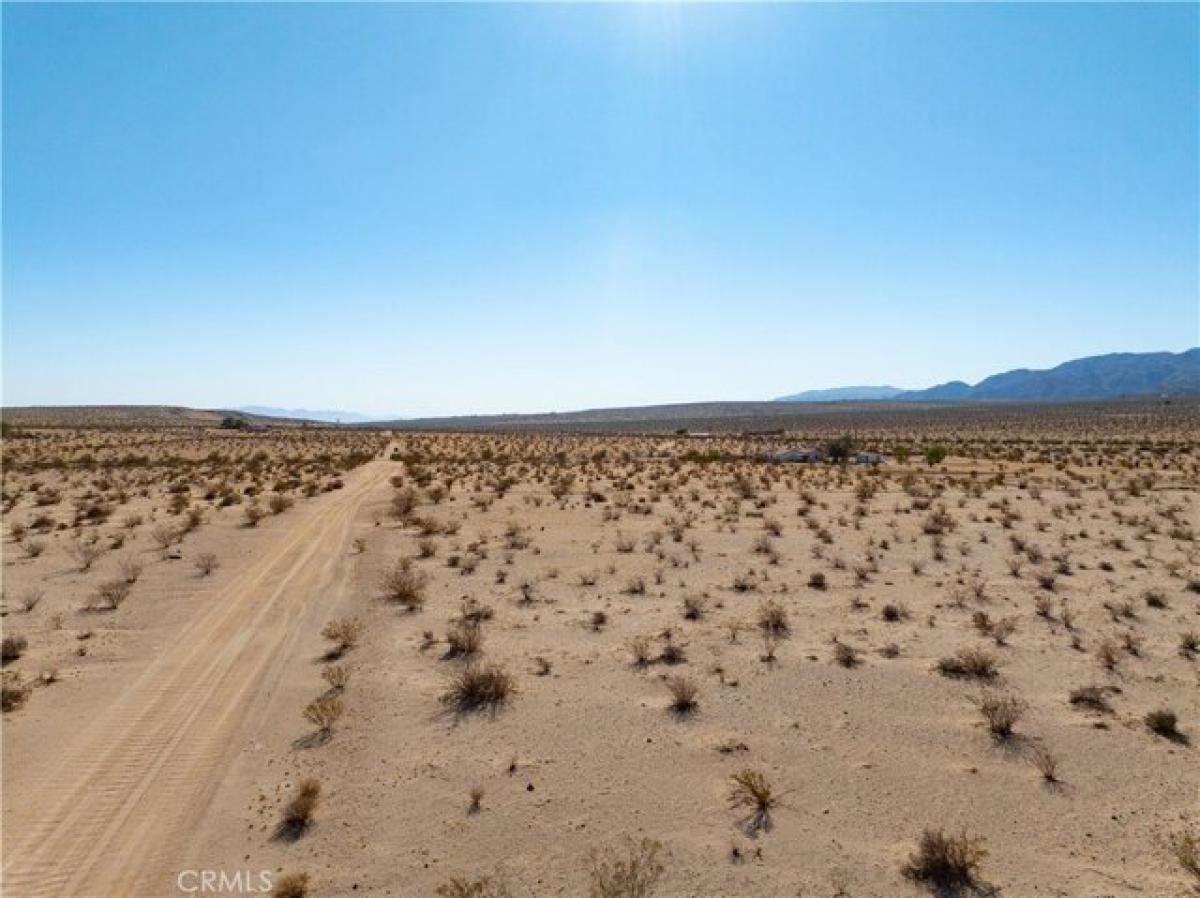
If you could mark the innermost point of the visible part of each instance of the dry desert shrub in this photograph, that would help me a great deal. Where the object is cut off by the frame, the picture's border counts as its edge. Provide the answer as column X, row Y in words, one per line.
column 206, row 563
column 969, row 663
column 773, row 618
column 29, row 600
column 1045, row 761
column 946, row 861
column 278, row 503
column 1000, row 712
column 1186, row 848
column 13, row 691
column 1164, row 722
column 694, row 607
column 752, row 790
column 164, row 536
column 485, row 887
column 640, row 648
column 344, row 633
column 130, row 569
column 630, row 870
column 683, row 695
column 479, row 687
column 337, row 676
column 404, row 586
column 1090, row 697
column 464, row 640
column 109, row 595
column 298, row 812
column 84, row 554
column 1189, row 644
column 12, row 647
column 323, row 713
column 294, row 885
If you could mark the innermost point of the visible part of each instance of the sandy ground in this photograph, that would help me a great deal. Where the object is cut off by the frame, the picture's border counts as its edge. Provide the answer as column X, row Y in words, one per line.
column 176, row 743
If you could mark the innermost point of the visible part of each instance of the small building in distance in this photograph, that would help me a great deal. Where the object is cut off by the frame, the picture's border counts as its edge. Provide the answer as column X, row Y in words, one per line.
column 866, row 458
column 798, row 456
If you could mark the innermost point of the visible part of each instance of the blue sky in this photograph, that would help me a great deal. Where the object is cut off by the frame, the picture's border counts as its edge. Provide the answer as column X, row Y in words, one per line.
column 453, row 208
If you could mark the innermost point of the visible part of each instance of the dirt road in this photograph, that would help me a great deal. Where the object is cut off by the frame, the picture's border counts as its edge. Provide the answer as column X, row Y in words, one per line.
column 109, row 813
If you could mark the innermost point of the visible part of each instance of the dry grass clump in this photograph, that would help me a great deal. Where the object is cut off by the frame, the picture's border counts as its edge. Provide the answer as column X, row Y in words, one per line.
column 971, row 663
column 29, row 600
column 1001, row 712
column 752, row 790
column 298, row 812
column 1189, row 644
column 631, row 870
column 946, row 861
column 323, row 713
column 344, row 633
column 1186, row 848
column 1090, row 697
column 683, row 695
column 1045, row 761
column 294, row 885
column 13, row 691
column 1165, row 722
column 130, row 569
column 464, row 640
column 337, row 676
column 641, row 649
column 846, row 655
column 206, row 563
column 84, row 554
column 12, row 647
column 479, row 687
column 405, row 587
column 485, row 887
column 109, row 595
column 773, row 618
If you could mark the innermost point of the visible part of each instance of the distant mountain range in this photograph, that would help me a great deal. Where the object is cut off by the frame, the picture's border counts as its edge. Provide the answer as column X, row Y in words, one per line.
column 1096, row 377
column 844, row 394
column 331, row 416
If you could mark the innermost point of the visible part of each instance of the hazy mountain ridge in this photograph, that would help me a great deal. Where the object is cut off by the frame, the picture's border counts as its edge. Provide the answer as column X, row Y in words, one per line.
column 331, row 416
column 1110, row 376
column 844, row 394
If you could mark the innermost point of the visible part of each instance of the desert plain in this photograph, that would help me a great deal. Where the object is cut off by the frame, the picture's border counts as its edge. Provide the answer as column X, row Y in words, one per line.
column 473, row 663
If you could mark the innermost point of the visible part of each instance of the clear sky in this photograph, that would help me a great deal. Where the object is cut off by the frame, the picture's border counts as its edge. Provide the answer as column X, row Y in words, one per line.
column 453, row 208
